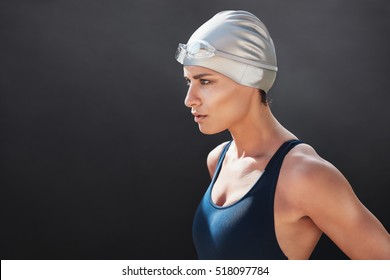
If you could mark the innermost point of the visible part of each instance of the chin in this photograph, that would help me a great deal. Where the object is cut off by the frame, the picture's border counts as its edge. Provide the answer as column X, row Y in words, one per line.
column 209, row 131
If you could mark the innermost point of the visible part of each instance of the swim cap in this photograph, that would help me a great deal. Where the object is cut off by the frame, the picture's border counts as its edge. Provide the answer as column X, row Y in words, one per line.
column 236, row 44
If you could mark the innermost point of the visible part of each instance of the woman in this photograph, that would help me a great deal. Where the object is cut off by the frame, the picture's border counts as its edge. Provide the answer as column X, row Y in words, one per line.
column 271, row 196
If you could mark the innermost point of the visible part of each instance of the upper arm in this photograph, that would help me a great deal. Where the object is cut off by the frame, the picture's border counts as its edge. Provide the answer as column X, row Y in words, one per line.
column 213, row 157
column 328, row 199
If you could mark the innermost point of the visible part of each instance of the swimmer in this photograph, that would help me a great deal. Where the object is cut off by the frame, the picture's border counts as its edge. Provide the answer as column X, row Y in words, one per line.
column 271, row 195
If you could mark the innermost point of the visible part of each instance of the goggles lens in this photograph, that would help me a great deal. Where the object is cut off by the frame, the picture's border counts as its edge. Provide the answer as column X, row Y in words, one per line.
column 198, row 50
column 201, row 49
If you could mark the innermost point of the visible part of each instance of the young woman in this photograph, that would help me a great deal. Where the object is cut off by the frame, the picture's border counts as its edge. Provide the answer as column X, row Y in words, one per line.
column 271, row 196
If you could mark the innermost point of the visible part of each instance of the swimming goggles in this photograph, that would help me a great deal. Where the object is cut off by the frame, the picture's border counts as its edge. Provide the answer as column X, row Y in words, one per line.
column 202, row 50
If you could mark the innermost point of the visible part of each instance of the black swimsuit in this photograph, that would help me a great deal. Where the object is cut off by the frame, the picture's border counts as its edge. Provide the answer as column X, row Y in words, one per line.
column 244, row 229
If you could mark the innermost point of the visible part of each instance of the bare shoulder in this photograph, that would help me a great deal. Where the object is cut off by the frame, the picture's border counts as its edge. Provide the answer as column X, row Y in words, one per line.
column 213, row 157
column 315, row 188
column 311, row 177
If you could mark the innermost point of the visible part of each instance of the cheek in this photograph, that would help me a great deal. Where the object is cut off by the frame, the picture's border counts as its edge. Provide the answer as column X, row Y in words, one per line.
column 226, row 106
column 225, row 111
column 233, row 105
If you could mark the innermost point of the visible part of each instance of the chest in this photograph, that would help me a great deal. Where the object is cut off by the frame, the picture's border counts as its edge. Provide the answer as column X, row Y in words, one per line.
column 234, row 181
column 241, row 225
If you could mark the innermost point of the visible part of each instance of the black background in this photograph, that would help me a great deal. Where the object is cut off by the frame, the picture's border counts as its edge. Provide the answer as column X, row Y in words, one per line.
column 100, row 159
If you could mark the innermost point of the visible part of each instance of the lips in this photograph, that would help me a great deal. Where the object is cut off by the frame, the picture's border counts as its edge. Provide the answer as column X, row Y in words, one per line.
column 199, row 117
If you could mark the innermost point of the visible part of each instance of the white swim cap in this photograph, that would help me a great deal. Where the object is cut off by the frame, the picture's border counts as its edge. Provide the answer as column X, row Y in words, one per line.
column 236, row 44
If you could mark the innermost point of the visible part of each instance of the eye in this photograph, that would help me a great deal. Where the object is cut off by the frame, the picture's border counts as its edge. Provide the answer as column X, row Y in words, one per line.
column 204, row 82
column 188, row 82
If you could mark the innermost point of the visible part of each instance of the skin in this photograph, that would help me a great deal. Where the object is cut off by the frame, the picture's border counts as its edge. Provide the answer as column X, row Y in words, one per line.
column 312, row 197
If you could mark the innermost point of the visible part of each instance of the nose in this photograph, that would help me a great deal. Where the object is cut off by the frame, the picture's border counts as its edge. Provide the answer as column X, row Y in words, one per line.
column 192, row 98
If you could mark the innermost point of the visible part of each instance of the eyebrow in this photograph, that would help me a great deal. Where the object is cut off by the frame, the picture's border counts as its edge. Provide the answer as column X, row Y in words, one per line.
column 200, row 76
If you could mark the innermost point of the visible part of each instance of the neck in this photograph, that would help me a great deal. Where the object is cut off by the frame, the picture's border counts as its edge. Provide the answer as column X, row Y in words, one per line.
column 259, row 134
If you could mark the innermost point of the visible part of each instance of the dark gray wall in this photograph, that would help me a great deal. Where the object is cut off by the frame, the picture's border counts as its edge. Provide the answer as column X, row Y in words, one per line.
column 101, row 160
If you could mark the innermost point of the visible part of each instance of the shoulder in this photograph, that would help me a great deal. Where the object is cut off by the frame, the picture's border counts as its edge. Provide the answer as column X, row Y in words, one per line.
column 213, row 157
column 303, row 165
column 314, row 188
column 314, row 182
column 303, row 162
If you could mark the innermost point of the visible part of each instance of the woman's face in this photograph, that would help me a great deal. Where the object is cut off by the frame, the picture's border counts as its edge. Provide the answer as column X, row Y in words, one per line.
column 217, row 102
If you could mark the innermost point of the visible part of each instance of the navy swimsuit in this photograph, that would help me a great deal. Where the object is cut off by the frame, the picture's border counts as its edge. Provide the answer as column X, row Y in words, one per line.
column 244, row 229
